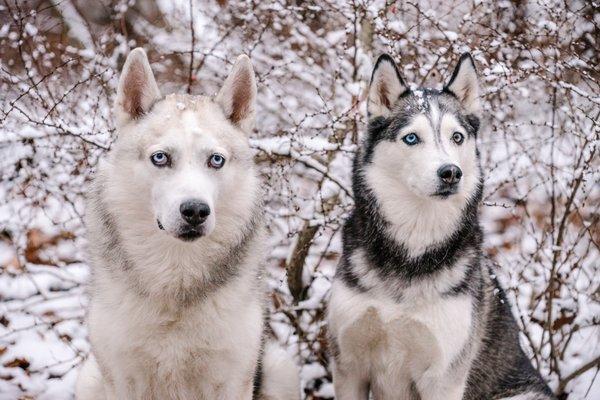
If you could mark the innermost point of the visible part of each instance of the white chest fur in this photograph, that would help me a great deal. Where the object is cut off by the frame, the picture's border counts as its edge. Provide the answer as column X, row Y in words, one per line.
column 189, row 353
column 393, row 344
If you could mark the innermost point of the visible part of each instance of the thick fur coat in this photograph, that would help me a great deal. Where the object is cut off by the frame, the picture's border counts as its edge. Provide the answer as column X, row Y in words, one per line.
column 415, row 311
column 175, row 238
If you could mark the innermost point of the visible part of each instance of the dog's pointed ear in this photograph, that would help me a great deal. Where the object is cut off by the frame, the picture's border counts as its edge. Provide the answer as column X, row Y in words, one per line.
column 237, row 97
column 385, row 88
column 464, row 84
column 137, row 89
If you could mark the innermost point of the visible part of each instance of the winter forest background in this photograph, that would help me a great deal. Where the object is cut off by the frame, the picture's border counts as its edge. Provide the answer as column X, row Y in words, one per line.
column 538, row 61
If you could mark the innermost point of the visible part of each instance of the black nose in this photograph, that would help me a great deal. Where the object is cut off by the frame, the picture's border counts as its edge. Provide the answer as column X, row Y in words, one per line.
column 450, row 174
column 194, row 212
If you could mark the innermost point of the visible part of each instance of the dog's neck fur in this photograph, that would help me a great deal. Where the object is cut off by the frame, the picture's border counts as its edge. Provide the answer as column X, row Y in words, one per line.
column 372, row 232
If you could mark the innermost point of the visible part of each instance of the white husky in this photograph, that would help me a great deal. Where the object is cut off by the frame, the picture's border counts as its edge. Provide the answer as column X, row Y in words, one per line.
column 174, row 223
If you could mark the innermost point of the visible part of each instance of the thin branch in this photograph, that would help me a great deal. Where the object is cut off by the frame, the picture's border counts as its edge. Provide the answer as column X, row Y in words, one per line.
column 193, row 48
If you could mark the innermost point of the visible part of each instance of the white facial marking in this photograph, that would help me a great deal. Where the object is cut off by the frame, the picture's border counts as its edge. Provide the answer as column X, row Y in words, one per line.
column 405, row 180
column 188, row 178
column 434, row 113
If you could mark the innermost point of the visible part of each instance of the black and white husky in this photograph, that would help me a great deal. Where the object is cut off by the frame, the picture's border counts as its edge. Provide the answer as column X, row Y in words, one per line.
column 174, row 226
column 415, row 312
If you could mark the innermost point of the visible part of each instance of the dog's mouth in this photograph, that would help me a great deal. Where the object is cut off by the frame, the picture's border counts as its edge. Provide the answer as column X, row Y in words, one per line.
column 187, row 234
column 445, row 192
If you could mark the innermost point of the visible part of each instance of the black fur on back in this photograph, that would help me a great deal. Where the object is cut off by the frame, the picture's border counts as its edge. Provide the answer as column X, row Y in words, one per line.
column 501, row 367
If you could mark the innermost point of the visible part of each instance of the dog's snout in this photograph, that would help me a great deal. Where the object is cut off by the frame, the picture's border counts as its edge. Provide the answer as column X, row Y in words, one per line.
column 194, row 212
column 450, row 174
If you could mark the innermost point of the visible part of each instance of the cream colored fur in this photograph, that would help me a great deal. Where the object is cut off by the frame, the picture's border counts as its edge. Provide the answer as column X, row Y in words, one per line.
column 163, row 322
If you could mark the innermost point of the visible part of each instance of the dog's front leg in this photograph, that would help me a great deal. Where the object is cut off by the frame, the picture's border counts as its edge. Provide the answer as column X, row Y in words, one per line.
column 232, row 388
column 447, row 392
column 129, row 390
column 450, row 386
column 244, row 392
column 350, row 384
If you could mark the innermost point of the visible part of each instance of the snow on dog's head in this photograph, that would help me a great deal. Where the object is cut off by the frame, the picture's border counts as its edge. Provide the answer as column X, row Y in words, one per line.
column 181, row 164
column 420, row 156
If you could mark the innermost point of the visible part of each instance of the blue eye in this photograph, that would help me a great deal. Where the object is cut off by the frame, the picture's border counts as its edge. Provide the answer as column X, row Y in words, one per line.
column 216, row 161
column 160, row 158
column 458, row 137
column 411, row 139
